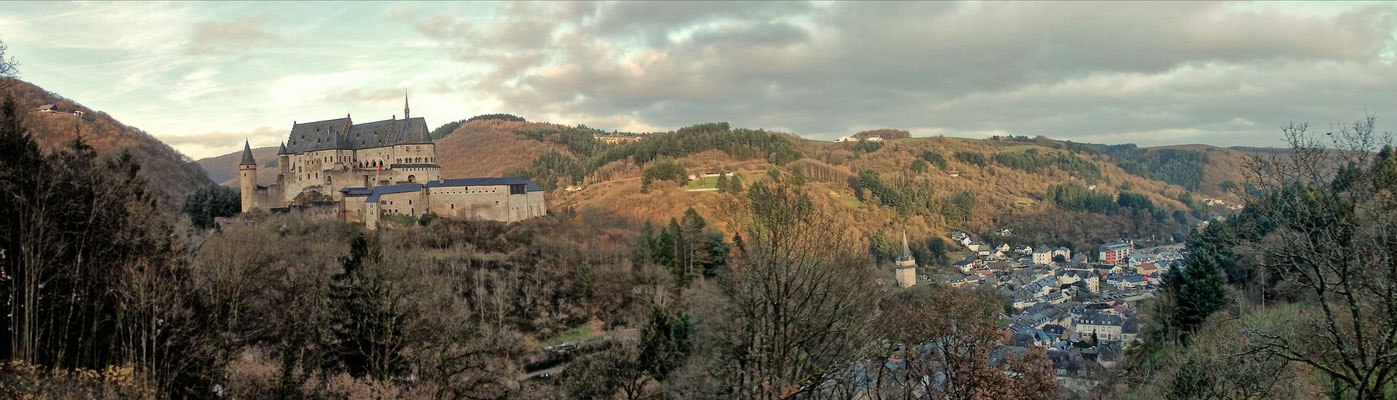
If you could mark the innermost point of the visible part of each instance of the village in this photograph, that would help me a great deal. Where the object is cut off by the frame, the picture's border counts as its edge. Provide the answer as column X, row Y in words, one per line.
column 1084, row 310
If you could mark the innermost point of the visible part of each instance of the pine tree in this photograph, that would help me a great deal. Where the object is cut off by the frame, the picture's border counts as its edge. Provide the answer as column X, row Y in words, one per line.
column 645, row 245
column 798, row 176
column 680, row 252
column 1199, row 289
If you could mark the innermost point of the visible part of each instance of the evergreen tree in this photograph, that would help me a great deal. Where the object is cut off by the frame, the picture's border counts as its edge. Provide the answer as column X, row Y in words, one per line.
column 919, row 166
column 644, row 245
column 370, row 315
column 1199, row 289
column 205, row 204
column 662, row 251
column 665, row 341
column 798, row 176
column 722, row 183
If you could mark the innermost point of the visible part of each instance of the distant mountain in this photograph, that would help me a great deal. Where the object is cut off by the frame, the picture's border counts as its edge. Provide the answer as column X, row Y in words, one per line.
column 171, row 174
column 223, row 169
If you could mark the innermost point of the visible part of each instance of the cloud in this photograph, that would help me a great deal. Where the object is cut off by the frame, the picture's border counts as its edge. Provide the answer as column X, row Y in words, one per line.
column 238, row 34
column 1157, row 72
column 368, row 95
column 216, row 143
column 196, row 84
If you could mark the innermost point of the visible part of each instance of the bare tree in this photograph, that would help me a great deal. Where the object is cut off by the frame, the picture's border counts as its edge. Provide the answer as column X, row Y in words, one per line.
column 797, row 305
column 9, row 68
column 1328, row 240
column 943, row 341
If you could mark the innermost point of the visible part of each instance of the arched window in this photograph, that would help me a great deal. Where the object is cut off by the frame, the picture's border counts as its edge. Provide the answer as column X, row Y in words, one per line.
column 327, row 180
column 411, row 178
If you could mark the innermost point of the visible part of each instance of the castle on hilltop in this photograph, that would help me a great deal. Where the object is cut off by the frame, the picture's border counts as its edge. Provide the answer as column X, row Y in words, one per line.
column 361, row 172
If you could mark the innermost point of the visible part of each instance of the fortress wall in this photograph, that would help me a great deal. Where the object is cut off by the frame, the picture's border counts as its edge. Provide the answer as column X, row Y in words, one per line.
column 268, row 198
column 371, row 212
column 352, row 208
column 470, row 202
column 410, row 203
column 535, row 199
column 525, row 206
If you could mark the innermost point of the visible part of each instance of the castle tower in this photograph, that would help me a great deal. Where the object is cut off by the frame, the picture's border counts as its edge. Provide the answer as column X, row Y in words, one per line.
column 905, row 268
column 247, row 178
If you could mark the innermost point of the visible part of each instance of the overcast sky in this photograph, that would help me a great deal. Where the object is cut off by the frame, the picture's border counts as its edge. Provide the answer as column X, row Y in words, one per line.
column 203, row 76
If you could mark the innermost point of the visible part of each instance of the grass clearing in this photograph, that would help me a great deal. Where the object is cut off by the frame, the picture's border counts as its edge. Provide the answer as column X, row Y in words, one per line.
column 572, row 335
column 851, row 202
column 1019, row 148
column 703, row 183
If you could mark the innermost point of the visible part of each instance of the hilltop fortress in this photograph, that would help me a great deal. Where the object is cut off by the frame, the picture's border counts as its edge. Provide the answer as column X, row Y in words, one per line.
column 361, row 172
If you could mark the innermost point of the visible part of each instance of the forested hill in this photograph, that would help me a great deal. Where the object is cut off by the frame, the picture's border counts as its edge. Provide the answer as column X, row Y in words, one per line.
column 170, row 173
column 1051, row 191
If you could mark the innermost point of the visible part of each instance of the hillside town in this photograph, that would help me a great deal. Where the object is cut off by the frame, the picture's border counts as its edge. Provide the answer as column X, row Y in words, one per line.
column 1085, row 309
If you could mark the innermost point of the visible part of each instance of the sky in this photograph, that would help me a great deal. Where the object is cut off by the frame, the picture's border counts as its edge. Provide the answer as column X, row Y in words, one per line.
column 204, row 76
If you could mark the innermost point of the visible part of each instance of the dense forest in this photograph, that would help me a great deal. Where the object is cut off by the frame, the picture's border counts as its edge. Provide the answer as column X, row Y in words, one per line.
column 592, row 154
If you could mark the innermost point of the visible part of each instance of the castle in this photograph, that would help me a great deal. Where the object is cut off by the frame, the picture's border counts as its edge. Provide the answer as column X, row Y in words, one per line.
column 361, row 172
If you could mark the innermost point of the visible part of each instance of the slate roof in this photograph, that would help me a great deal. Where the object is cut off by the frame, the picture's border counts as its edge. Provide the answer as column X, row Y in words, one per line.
column 530, row 185
column 906, row 253
column 411, row 187
column 391, row 189
column 342, row 133
column 1099, row 319
column 247, row 155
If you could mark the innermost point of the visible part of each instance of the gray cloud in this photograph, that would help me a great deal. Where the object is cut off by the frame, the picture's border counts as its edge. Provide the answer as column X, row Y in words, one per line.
column 368, row 96
column 225, row 142
column 230, row 36
column 1155, row 73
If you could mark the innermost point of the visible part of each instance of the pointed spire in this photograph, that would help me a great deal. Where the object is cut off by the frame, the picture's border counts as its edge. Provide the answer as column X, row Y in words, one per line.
column 247, row 154
column 281, row 149
column 906, row 252
column 407, row 113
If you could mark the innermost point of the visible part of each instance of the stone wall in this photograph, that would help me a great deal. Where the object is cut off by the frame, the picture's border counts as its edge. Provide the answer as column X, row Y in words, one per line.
column 470, row 202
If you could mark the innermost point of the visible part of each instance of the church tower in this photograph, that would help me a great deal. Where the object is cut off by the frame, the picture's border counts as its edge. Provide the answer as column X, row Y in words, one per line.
column 905, row 268
column 247, row 178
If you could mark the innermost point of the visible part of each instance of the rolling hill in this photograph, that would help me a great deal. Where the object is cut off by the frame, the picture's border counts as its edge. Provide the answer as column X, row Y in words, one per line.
column 224, row 169
column 1011, row 189
column 170, row 173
